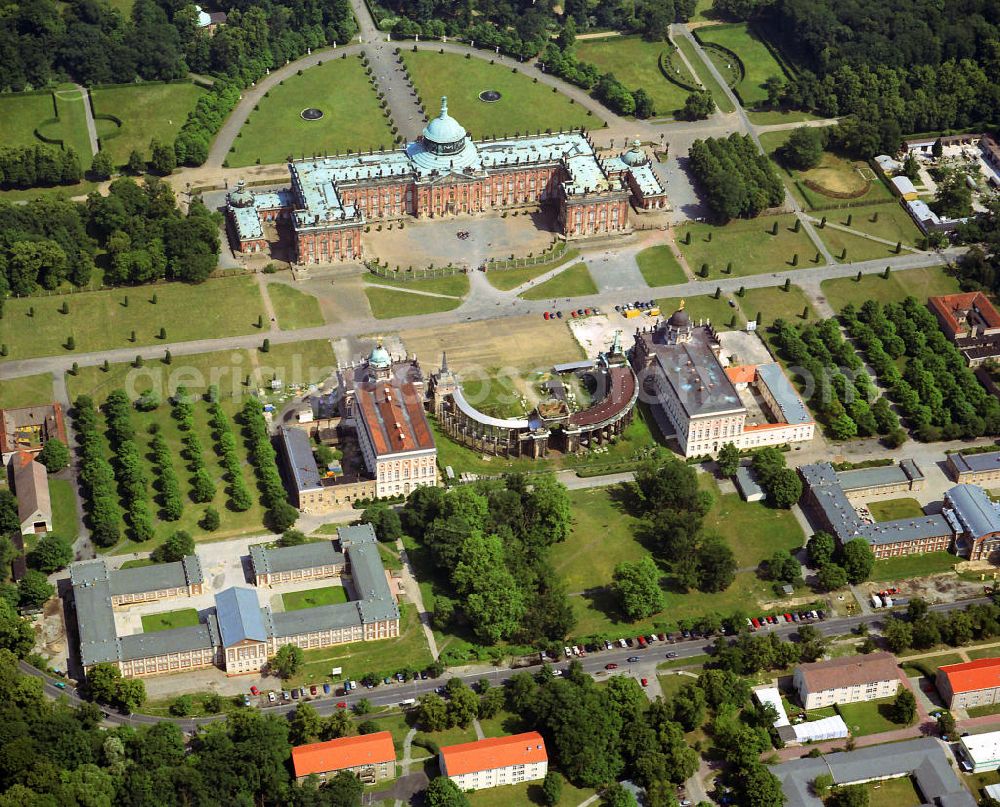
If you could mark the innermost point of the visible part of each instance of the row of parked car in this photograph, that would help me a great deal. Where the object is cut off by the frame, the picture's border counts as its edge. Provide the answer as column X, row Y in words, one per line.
column 577, row 314
column 756, row 623
column 638, row 642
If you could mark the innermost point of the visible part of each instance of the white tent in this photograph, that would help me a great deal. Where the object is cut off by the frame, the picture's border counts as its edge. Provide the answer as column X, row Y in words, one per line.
column 829, row 728
column 772, row 696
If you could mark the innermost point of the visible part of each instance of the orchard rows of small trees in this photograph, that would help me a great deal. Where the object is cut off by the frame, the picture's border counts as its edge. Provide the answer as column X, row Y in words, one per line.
column 280, row 513
column 738, row 181
column 129, row 465
column 97, row 479
column 225, row 441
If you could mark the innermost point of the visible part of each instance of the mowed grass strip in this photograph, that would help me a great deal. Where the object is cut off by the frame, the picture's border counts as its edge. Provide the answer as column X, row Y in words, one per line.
column 352, row 117
column 750, row 245
column 388, row 303
column 574, row 281
column 758, row 63
column 507, row 279
column 889, row 221
column 20, row 113
column 906, row 567
column 456, row 285
column 523, row 107
column 773, row 302
column 706, row 78
column 870, row 717
column 63, row 497
column 849, row 248
column 659, row 266
column 921, row 283
column 314, row 597
column 73, row 122
column 27, row 390
column 100, row 320
column 293, row 308
column 146, row 111
column 181, row 618
column 893, row 509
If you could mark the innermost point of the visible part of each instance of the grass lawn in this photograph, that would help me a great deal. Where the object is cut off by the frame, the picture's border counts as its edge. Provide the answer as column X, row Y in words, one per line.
column 574, row 281
column 456, row 285
column 868, row 717
column 527, row 793
column 502, row 724
column 387, row 303
column 748, row 245
column 137, row 563
column 758, row 63
column 507, row 279
column 63, row 499
column 891, row 222
column 146, row 111
column 892, row 509
column 690, row 661
column 450, row 736
column 659, row 267
column 705, row 306
column 858, row 248
column 921, row 283
column 293, row 308
column 20, row 113
column 984, row 652
column 983, row 711
column 753, row 530
column 773, row 302
column 900, row 792
column 909, row 566
column 352, row 118
column 314, row 597
column 706, row 79
column 523, row 107
column 635, row 63
column 382, row 657
column 72, row 112
column 181, row 618
column 931, row 662
column 99, row 320
column 772, row 117
column 671, row 683
column 27, row 390
column 398, row 727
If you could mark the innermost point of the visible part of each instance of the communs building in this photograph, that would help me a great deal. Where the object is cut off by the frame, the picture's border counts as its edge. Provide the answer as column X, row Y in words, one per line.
column 971, row 322
column 443, row 173
column 976, row 469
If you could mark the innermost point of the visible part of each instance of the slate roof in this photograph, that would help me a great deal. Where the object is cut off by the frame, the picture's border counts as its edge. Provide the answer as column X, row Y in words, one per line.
column 156, row 577
column 162, row 642
column 792, row 409
column 94, row 614
column 966, row 463
column 299, row 459
column 239, row 616
column 288, row 558
column 973, row 512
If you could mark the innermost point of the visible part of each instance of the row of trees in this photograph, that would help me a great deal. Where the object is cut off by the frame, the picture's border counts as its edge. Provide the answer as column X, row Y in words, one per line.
column 489, row 544
column 225, row 441
column 280, row 513
column 97, row 479
column 920, row 628
column 936, row 392
column 31, row 166
column 182, row 410
column 738, row 181
column 171, row 505
column 129, row 465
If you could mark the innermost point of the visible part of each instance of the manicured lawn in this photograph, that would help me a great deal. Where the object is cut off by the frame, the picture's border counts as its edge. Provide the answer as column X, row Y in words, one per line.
column 507, row 279
column 890, row 222
column 758, row 63
column 659, row 267
column 705, row 306
column 181, row 618
column 670, row 684
column 753, row 530
column 398, row 726
column 772, row 117
column 527, row 793
column 901, row 792
column 387, row 303
column 136, row 563
column 857, row 247
column 892, row 509
column 20, row 113
column 690, row 661
column 456, row 285
column 502, row 724
column 63, row 508
column 707, row 79
column 99, row 320
column 773, row 302
column 635, row 63
column 314, row 597
column 352, row 118
column 868, row 717
column 983, row 652
column 146, row 111
column 921, row 283
column 910, row 566
column 293, row 308
column 382, row 657
column 27, row 390
column 748, row 245
column 523, row 106
column 572, row 282
column 73, row 122
column 930, row 662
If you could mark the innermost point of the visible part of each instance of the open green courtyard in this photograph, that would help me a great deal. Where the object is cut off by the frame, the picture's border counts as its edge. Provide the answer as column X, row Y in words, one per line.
column 907, row 567
column 102, row 320
column 892, row 509
column 747, row 246
column 181, row 618
column 758, row 63
column 63, row 496
column 660, row 267
column 523, row 107
column 352, row 118
column 868, row 717
column 900, row 792
column 574, row 281
column 920, row 283
column 388, row 303
column 21, row 113
column 314, row 597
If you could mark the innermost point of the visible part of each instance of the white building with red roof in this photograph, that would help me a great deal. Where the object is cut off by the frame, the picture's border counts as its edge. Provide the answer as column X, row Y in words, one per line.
column 495, row 761
column 370, row 757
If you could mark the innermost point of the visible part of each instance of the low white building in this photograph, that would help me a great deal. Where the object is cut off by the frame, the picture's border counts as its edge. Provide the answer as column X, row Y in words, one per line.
column 981, row 751
column 850, row 679
column 496, row 761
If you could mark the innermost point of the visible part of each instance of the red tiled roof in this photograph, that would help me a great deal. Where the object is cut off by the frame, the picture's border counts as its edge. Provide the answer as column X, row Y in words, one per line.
column 742, row 373
column 948, row 305
column 498, row 752
column 970, row 676
column 393, row 414
column 346, row 752
column 621, row 392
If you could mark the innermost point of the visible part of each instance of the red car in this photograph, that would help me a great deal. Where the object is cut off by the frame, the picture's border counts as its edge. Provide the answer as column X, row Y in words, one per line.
column 341, row 705
column 755, row 622
column 645, row 682
column 610, row 666
column 312, row 690
column 788, row 617
column 254, row 691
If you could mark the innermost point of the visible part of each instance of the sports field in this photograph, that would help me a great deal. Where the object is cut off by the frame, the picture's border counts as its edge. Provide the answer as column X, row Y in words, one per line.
column 758, row 63
column 352, row 117
column 146, row 111
column 523, row 107
column 635, row 63
column 182, row 618
column 314, row 597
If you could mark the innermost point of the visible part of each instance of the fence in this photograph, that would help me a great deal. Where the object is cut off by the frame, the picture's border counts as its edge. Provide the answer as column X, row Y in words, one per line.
column 555, row 251
column 408, row 274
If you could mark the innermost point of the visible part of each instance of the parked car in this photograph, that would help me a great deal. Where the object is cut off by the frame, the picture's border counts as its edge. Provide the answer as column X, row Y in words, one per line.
column 546, row 315
column 423, row 675
column 645, row 682
column 607, row 645
column 611, row 666
column 254, row 690
column 622, row 643
column 60, row 684
column 559, row 314
column 569, row 651
column 286, row 695
column 386, row 680
column 671, row 654
column 271, row 697
column 246, row 700
column 326, row 689
column 313, row 690
column 341, row 705
column 641, row 640
column 295, row 694
column 632, row 659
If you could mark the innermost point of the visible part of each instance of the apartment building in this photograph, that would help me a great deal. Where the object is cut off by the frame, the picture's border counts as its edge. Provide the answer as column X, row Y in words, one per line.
column 370, row 757
column 496, row 761
column 847, row 680
column 971, row 683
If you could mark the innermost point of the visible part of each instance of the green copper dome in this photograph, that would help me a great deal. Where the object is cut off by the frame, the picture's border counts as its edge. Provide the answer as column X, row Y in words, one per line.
column 444, row 134
column 379, row 358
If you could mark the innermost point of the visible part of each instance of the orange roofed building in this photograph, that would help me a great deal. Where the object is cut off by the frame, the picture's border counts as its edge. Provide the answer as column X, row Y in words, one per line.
column 497, row 761
column 370, row 757
column 972, row 683
column 971, row 322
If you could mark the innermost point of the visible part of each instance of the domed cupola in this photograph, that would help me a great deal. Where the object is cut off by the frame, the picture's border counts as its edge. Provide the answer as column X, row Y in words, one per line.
column 444, row 135
column 241, row 197
column 635, row 155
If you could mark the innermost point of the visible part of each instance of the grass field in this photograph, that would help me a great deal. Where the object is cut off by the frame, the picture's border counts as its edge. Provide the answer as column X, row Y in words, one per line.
column 773, row 302
column 706, row 78
column 72, row 112
column 858, row 248
column 63, row 498
column 293, row 308
column 984, row 711
column 574, row 281
column 891, row 509
column 907, row 567
column 868, row 717
column 921, row 283
column 748, row 245
column 456, row 285
column 705, row 306
column 930, row 662
column 527, row 793
column 659, row 267
column 146, row 111
column 181, row 618
column 890, row 222
column 26, row 391
column 99, row 320
column 523, row 107
column 387, row 303
column 20, row 113
column 352, row 118
column 771, row 117
column 901, row 792
column 635, row 63
column 758, row 63
column 314, row 597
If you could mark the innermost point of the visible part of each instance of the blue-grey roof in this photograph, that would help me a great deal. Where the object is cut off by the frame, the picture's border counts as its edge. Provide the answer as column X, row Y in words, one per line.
column 289, row 558
column 310, row 620
column 161, row 642
column 976, row 513
column 158, row 576
column 299, row 459
column 788, row 400
column 694, row 372
column 965, row 463
column 95, row 616
column 376, row 601
column 878, row 476
column 239, row 616
column 746, row 482
column 444, row 128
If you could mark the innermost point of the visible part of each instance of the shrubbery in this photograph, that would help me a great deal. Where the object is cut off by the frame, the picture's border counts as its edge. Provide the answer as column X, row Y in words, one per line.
column 739, row 181
column 280, row 514
column 97, row 479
